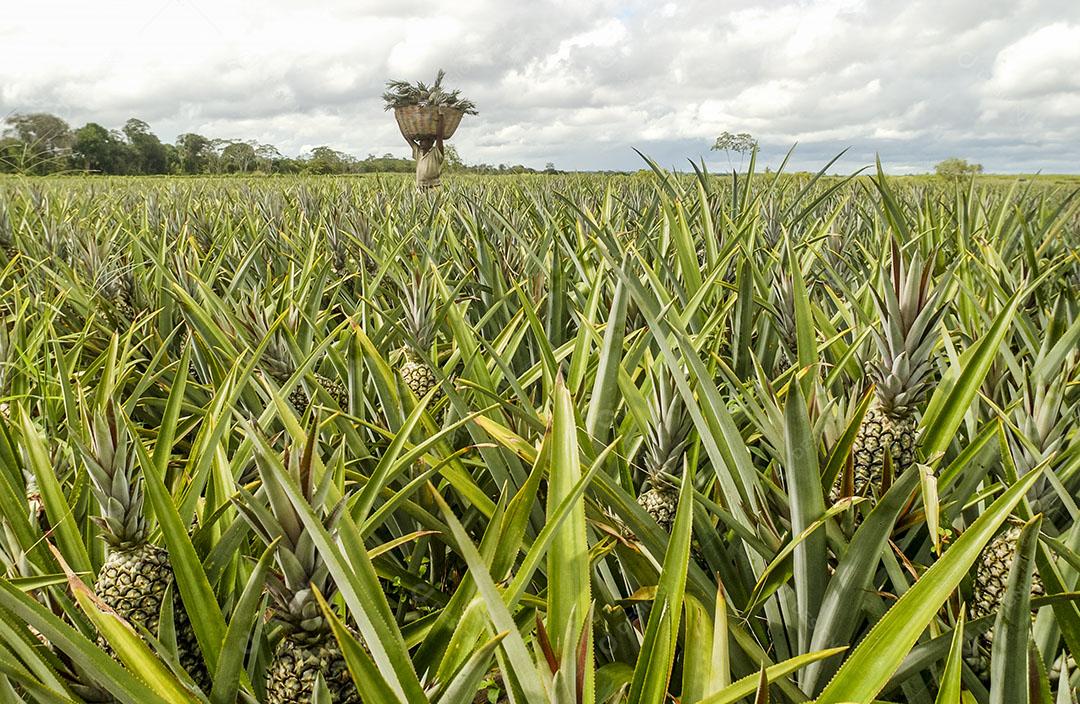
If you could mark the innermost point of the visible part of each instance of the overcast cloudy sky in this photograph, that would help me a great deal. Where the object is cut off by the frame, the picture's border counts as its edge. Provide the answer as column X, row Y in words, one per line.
column 575, row 82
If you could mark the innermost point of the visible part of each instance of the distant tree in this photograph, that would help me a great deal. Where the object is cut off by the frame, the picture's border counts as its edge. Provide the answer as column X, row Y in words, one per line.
column 151, row 157
column 324, row 160
column 9, row 154
column 388, row 163
column 195, row 152
column 453, row 159
column 16, row 157
column 267, row 155
column 742, row 144
column 954, row 167
column 45, row 138
column 172, row 159
column 238, row 156
column 94, row 148
column 41, row 143
column 549, row 168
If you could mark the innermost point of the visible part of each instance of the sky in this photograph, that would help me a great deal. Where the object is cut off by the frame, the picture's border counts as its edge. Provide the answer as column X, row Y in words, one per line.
column 578, row 83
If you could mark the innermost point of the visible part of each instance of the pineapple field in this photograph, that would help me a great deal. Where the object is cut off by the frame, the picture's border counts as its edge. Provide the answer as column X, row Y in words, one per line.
column 577, row 439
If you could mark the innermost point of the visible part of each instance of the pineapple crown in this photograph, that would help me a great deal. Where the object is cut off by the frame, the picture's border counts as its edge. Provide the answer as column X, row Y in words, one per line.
column 184, row 265
column 273, row 516
column 1043, row 418
column 785, row 306
column 909, row 309
column 1044, row 415
column 1046, row 408
column 343, row 255
column 669, row 429
column 116, row 286
column 255, row 320
column 773, row 228
column 114, row 480
column 418, row 310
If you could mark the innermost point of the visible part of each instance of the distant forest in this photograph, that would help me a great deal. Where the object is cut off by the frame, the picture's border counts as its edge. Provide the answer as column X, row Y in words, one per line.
column 41, row 143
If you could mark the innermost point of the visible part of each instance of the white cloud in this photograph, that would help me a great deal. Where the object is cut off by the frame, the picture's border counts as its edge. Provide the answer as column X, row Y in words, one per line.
column 578, row 83
column 1045, row 61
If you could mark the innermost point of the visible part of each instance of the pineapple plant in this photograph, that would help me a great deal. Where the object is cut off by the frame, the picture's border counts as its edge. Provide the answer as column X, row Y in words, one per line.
column 343, row 254
column 538, row 260
column 136, row 574
column 1041, row 420
column 278, row 361
column 307, row 648
column 909, row 308
column 784, row 319
column 418, row 322
column 664, row 444
column 992, row 573
column 7, row 238
column 118, row 296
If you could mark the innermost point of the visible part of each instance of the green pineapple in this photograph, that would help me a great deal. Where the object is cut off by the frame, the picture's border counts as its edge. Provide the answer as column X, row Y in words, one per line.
column 909, row 309
column 117, row 290
column 7, row 238
column 336, row 388
column 343, row 255
column 188, row 340
column 989, row 585
column 664, row 445
column 136, row 574
column 278, row 358
column 1043, row 419
column 418, row 320
column 307, row 648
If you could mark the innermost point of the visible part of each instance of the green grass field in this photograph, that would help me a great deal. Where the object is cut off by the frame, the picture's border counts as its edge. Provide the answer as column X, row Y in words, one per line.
column 548, row 438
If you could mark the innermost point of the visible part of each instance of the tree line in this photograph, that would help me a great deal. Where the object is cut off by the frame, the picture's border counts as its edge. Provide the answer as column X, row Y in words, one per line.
column 42, row 143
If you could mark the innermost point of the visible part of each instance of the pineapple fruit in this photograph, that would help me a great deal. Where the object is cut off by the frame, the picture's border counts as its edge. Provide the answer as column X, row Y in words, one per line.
column 136, row 574
column 990, row 582
column 1042, row 418
column 416, row 373
column 992, row 573
column 664, row 445
column 308, row 648
column 9, row 250
column 909, row 309
column 7, row 238
column 418, row 321
column 118, row 294
column 279, row 364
